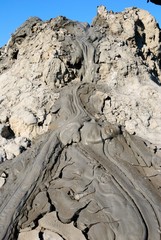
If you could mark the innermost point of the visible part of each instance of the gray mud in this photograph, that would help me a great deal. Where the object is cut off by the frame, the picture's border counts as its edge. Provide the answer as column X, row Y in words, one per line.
column 87, row 176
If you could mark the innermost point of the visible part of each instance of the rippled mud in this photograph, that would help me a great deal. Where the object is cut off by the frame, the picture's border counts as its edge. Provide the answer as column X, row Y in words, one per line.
column 86, row 174
column 87, row 177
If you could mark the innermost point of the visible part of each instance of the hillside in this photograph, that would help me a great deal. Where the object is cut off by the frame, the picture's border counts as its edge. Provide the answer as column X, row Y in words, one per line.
column 80, row 129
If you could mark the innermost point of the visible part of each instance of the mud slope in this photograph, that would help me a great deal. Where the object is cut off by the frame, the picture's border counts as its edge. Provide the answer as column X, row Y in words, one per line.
column 80, row 129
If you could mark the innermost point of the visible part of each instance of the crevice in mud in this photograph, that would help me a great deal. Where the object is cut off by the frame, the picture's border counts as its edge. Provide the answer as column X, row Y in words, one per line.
column 61, row 236
column 15, row 233
column 52, row 207
column 41, row 236
column 76, row 215
column 155, row 149
column 154, row 77
column 76, row 65
column 85, row 233
column 36, row 221
column 66, row 166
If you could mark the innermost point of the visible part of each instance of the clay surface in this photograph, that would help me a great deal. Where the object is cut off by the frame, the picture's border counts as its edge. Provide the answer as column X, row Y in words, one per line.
column 80, row 128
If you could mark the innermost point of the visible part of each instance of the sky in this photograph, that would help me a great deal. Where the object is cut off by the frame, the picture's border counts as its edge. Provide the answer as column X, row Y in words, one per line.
column 15, row 12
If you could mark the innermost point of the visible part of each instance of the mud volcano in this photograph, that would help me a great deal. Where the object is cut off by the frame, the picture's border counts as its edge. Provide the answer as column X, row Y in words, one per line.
column 80, row 129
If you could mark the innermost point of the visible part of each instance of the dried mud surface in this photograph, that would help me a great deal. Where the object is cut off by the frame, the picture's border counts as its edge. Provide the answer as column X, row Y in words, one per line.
column 81, row 149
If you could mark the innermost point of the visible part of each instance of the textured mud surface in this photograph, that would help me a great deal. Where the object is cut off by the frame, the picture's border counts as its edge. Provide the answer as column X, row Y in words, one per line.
column 92, row 162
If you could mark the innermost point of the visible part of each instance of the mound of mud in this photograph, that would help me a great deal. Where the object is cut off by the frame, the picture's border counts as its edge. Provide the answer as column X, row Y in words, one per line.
column 80, row 129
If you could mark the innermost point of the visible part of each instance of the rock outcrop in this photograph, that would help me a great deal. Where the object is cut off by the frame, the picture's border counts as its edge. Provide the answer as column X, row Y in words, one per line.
column 80, row 129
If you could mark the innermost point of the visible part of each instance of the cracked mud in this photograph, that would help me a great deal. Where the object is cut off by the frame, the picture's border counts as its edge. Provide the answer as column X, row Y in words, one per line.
column 86, row 176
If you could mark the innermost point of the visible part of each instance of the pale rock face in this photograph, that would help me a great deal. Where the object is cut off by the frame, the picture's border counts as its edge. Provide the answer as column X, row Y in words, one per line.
column 125, row 68
column 80, row 129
